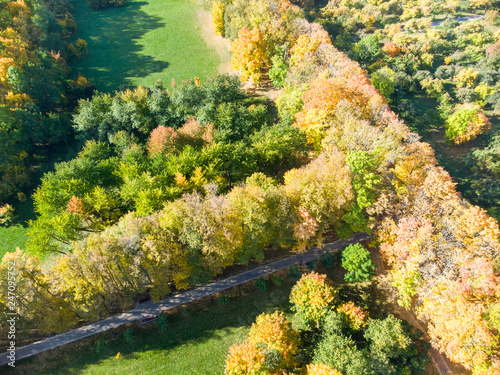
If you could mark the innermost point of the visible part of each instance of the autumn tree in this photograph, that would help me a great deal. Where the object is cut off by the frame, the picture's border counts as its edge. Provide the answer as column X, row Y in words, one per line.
column 466, row 123
column 312, row 297
column 250, row 54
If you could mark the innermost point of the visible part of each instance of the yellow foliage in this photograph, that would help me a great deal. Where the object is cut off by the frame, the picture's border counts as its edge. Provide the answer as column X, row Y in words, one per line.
column 250, row 54
column 218, row 10
column 276, row 333
column 321, row 369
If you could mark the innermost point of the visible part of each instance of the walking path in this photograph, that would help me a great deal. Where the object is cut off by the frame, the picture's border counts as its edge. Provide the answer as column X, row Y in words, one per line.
column 150, row 308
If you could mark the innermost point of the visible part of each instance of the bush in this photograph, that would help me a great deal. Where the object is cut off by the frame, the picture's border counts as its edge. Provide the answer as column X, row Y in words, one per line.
column 6, row 215
column 294, row 273
column 358, row 261
column 129, row 336
column 276, row 280
column 223, row 300
column 162, row 323
column 261, row 285
column 101, row 344
column 312, row 265
column 328, row 260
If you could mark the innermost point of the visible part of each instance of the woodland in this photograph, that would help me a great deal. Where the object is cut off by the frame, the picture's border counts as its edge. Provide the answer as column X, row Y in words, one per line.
column 174, row 185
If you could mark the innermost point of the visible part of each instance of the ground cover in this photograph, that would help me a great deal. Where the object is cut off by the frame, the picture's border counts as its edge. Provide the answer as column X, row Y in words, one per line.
column 143, row 42
column 196, row 339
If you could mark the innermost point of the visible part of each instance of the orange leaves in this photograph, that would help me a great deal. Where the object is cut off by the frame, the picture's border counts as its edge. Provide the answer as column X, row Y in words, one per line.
column 321, row 100
column 312, row 297
column 76, row 206
column 250, row 54
column 391, row 48
column 313, row 369
column 246, row 358
column 268, row 333
column 166, row 140
column 162, row 140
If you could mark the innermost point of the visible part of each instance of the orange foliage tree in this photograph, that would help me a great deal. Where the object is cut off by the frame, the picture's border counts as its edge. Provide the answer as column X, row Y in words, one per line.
column 250, row 54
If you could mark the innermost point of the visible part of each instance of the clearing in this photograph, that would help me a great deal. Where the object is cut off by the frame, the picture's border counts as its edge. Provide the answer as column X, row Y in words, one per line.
column 145, row 41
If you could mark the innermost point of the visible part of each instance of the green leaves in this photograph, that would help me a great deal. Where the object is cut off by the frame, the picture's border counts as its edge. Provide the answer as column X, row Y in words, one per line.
column 358, row 261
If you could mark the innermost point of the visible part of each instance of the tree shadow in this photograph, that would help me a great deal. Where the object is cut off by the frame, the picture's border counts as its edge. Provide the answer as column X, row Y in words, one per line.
column 113, row 37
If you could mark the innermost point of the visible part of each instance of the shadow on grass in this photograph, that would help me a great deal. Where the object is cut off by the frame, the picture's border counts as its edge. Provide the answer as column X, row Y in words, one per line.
column 113, row 36
column 210, row 328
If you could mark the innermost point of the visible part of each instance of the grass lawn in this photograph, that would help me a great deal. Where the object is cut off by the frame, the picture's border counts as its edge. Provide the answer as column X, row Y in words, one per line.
column 142, row 42
column 15, row 235
column 193, row 344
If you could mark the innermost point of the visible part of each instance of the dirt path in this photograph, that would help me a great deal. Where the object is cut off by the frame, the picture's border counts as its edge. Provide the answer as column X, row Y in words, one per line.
column 221, row 45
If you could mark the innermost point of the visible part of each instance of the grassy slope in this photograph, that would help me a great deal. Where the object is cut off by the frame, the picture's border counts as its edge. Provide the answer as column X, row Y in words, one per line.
column 142, row 42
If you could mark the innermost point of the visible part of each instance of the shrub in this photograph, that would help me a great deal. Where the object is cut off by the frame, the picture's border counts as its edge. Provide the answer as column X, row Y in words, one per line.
column 328, row 260
column 358, row 261
column 261, row 285
column 6, row 214
column 161, row 323
column 78, row 49
column 312, row 265
column 101, row 344
column 129, row 336
column 223, row 299
column 276, row 280
column 294, row 273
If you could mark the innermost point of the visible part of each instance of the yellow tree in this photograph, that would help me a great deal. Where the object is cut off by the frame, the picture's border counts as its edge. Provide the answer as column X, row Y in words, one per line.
column 250, row 54
column 312, row 297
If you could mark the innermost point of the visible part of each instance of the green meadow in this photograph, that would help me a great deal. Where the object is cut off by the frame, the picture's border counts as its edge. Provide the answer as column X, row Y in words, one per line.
column 142, row 42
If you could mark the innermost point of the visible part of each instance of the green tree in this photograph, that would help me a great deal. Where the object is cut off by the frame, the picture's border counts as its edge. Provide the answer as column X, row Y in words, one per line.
column 384, row 80
column 358, row 261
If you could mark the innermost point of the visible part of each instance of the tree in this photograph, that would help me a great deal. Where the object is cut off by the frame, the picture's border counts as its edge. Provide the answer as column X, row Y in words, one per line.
column 275, row 332
column 383, row 80
column 312, row 297
column 218, row 10
column 320, row 369
column 466, row 123
column 358, row 261
column 250, row 54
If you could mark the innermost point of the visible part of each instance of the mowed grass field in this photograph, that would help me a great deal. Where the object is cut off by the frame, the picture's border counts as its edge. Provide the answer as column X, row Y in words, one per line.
column 142, row 42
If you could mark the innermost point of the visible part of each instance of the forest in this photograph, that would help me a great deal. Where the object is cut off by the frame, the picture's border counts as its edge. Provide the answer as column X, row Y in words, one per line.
column 173, row 185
